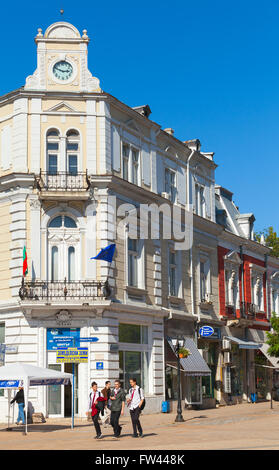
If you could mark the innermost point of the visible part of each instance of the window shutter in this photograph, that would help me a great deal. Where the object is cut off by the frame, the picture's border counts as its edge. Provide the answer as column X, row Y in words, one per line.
column 115, row 142
column 146, row 166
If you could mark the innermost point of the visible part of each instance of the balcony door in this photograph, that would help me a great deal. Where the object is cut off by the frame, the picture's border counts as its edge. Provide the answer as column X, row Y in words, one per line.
column 63, row 249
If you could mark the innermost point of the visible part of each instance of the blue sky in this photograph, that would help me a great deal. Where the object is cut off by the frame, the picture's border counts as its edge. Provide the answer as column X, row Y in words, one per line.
column 207, row 68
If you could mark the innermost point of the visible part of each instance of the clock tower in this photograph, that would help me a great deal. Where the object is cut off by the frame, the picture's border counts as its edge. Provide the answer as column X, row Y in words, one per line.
column 62, row 61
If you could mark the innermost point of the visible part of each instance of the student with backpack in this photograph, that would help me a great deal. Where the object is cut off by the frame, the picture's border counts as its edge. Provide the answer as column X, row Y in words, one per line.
column 136, row 403
column 95, row 406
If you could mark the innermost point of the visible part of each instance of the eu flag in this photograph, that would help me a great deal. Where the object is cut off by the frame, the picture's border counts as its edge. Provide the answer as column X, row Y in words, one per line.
column 106, row 253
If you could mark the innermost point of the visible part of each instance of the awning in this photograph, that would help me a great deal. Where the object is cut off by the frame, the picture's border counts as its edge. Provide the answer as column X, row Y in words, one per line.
column 194, row 364
column 273, row 360
column 243, row 343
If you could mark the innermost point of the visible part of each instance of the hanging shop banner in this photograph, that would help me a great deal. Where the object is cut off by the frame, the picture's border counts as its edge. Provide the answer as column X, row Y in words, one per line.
column 72, row 355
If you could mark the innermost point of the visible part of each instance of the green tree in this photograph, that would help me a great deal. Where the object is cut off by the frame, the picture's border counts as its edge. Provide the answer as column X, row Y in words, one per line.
column 271, row 239
column 273, row 336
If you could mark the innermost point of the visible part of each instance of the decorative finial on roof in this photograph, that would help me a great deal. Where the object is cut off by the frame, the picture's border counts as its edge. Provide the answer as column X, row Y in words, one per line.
column 61, row 11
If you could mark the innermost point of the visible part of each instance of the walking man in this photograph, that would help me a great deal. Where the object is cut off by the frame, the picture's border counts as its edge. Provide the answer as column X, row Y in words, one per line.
column 117, row 407
column 94, row 397
column 19, row 398
column 135, row 401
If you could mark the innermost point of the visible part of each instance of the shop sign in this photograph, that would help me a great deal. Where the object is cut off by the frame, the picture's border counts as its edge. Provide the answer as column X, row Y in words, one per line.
column 72, row 355
column 206, row 331
column 99, row 365
column 62, row 337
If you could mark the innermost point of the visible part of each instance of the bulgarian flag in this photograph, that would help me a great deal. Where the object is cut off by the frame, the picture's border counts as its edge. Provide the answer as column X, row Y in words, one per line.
column 25, row 266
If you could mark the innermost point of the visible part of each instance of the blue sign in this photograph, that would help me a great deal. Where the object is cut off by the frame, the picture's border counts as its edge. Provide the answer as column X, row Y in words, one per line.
column 62, row 337
column 99, row 365
column 89, row 340
column 9, row 383
column 206, row 331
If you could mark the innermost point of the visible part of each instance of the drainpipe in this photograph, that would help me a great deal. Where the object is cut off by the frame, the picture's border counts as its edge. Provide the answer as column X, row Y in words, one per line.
column 191, row 252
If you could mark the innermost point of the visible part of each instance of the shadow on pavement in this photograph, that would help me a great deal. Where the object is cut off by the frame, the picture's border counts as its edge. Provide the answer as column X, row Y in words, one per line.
column 42, row 427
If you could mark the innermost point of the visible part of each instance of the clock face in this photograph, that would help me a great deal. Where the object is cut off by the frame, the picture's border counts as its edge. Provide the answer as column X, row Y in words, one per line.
column 62, row 70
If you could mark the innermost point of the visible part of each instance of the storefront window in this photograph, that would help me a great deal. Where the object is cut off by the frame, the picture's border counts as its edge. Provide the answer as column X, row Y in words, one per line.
column 133, row 364
column 136, row 334
column 208, row 382
column 171, row 383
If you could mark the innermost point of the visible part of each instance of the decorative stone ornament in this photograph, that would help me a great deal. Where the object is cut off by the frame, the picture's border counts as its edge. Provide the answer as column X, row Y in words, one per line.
column 63, row 318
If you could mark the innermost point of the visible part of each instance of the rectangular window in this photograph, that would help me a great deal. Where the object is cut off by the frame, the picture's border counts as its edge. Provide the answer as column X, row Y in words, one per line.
column 52, row 164
column 170, row 187
column 205, row 286
column 202, row 281
column 73, row 165
column 172, row 273
column 125, row 161
column 136, row 334
column 132, row 262
column 135, row 166
column 133, row 364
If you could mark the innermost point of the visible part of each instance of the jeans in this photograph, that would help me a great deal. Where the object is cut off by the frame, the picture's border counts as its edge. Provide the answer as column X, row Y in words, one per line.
column 21, row 416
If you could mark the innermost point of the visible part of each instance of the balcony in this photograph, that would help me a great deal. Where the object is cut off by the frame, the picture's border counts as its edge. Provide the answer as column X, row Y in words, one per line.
column 59, row 184
column 251, row 311
column 64, row 291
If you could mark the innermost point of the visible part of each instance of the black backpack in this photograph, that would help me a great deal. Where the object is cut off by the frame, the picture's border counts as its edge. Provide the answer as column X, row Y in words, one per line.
column 143, row 403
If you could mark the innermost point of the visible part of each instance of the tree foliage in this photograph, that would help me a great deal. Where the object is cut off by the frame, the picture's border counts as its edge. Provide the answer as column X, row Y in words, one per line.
column 273, row 336
column 271, row 239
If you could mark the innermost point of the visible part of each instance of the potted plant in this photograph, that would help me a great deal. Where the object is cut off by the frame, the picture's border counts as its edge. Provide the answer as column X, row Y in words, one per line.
column 183, row 352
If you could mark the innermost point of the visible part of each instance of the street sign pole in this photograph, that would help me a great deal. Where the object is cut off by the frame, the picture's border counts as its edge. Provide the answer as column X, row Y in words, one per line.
column 73, row 392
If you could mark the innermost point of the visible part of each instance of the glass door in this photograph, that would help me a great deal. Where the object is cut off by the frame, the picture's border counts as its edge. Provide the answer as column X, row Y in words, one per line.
column 55, row 396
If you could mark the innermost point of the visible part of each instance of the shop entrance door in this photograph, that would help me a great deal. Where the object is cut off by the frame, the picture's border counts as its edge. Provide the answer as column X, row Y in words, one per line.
column 60, row 396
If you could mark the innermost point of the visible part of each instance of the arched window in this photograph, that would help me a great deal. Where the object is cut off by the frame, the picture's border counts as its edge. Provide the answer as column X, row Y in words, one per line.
column 52, row 151
column 63, row 243
column 73, row 149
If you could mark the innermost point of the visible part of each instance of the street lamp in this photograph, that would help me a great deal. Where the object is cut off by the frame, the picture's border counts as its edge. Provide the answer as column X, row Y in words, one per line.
column 177, row 344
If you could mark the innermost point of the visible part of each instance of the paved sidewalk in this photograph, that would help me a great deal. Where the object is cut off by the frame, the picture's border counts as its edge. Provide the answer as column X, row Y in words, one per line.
column 239, row 427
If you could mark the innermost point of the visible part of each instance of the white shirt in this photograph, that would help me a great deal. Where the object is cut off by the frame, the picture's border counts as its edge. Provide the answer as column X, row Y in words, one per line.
column 137, row 397
column 91, row 396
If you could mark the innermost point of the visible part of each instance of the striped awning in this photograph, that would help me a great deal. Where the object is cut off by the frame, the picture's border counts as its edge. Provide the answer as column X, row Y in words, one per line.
column 194, row 364
column 244, row 343
column 273, row 360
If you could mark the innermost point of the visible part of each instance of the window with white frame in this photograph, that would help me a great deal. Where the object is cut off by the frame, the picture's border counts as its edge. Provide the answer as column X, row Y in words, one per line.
column 205, row 284
column 257, row 291
column 125, row 161
column 130, row 164
column 199, row 200
column 172, row 273
column 63, row 248
column 133, row 262
column 52, row 146
column 275, row 292
column 170, row 184
column 232, row 286
column 72, row 152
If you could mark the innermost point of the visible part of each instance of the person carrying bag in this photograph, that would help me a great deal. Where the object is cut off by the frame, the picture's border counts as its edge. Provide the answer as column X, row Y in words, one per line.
column 95, row 406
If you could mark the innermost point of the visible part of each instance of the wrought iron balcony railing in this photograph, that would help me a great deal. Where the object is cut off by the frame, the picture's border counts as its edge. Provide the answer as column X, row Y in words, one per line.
column 85, row 291
column 62, row 181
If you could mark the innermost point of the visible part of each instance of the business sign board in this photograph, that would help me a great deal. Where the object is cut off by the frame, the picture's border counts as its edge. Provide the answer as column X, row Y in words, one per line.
column 72, row 355
column 62, row 337
column 206, row 331
column 99, row 365
column 92, row 339
column 11, row 383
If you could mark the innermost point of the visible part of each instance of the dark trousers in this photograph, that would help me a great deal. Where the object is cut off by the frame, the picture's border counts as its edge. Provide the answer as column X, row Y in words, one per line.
column 135, row 420
column 114, row 421
column 96, row 424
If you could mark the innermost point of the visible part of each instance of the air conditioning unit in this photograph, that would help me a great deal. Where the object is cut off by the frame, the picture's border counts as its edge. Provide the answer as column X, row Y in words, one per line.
column 227, row 357
column 226, row 344
column 165, row 195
